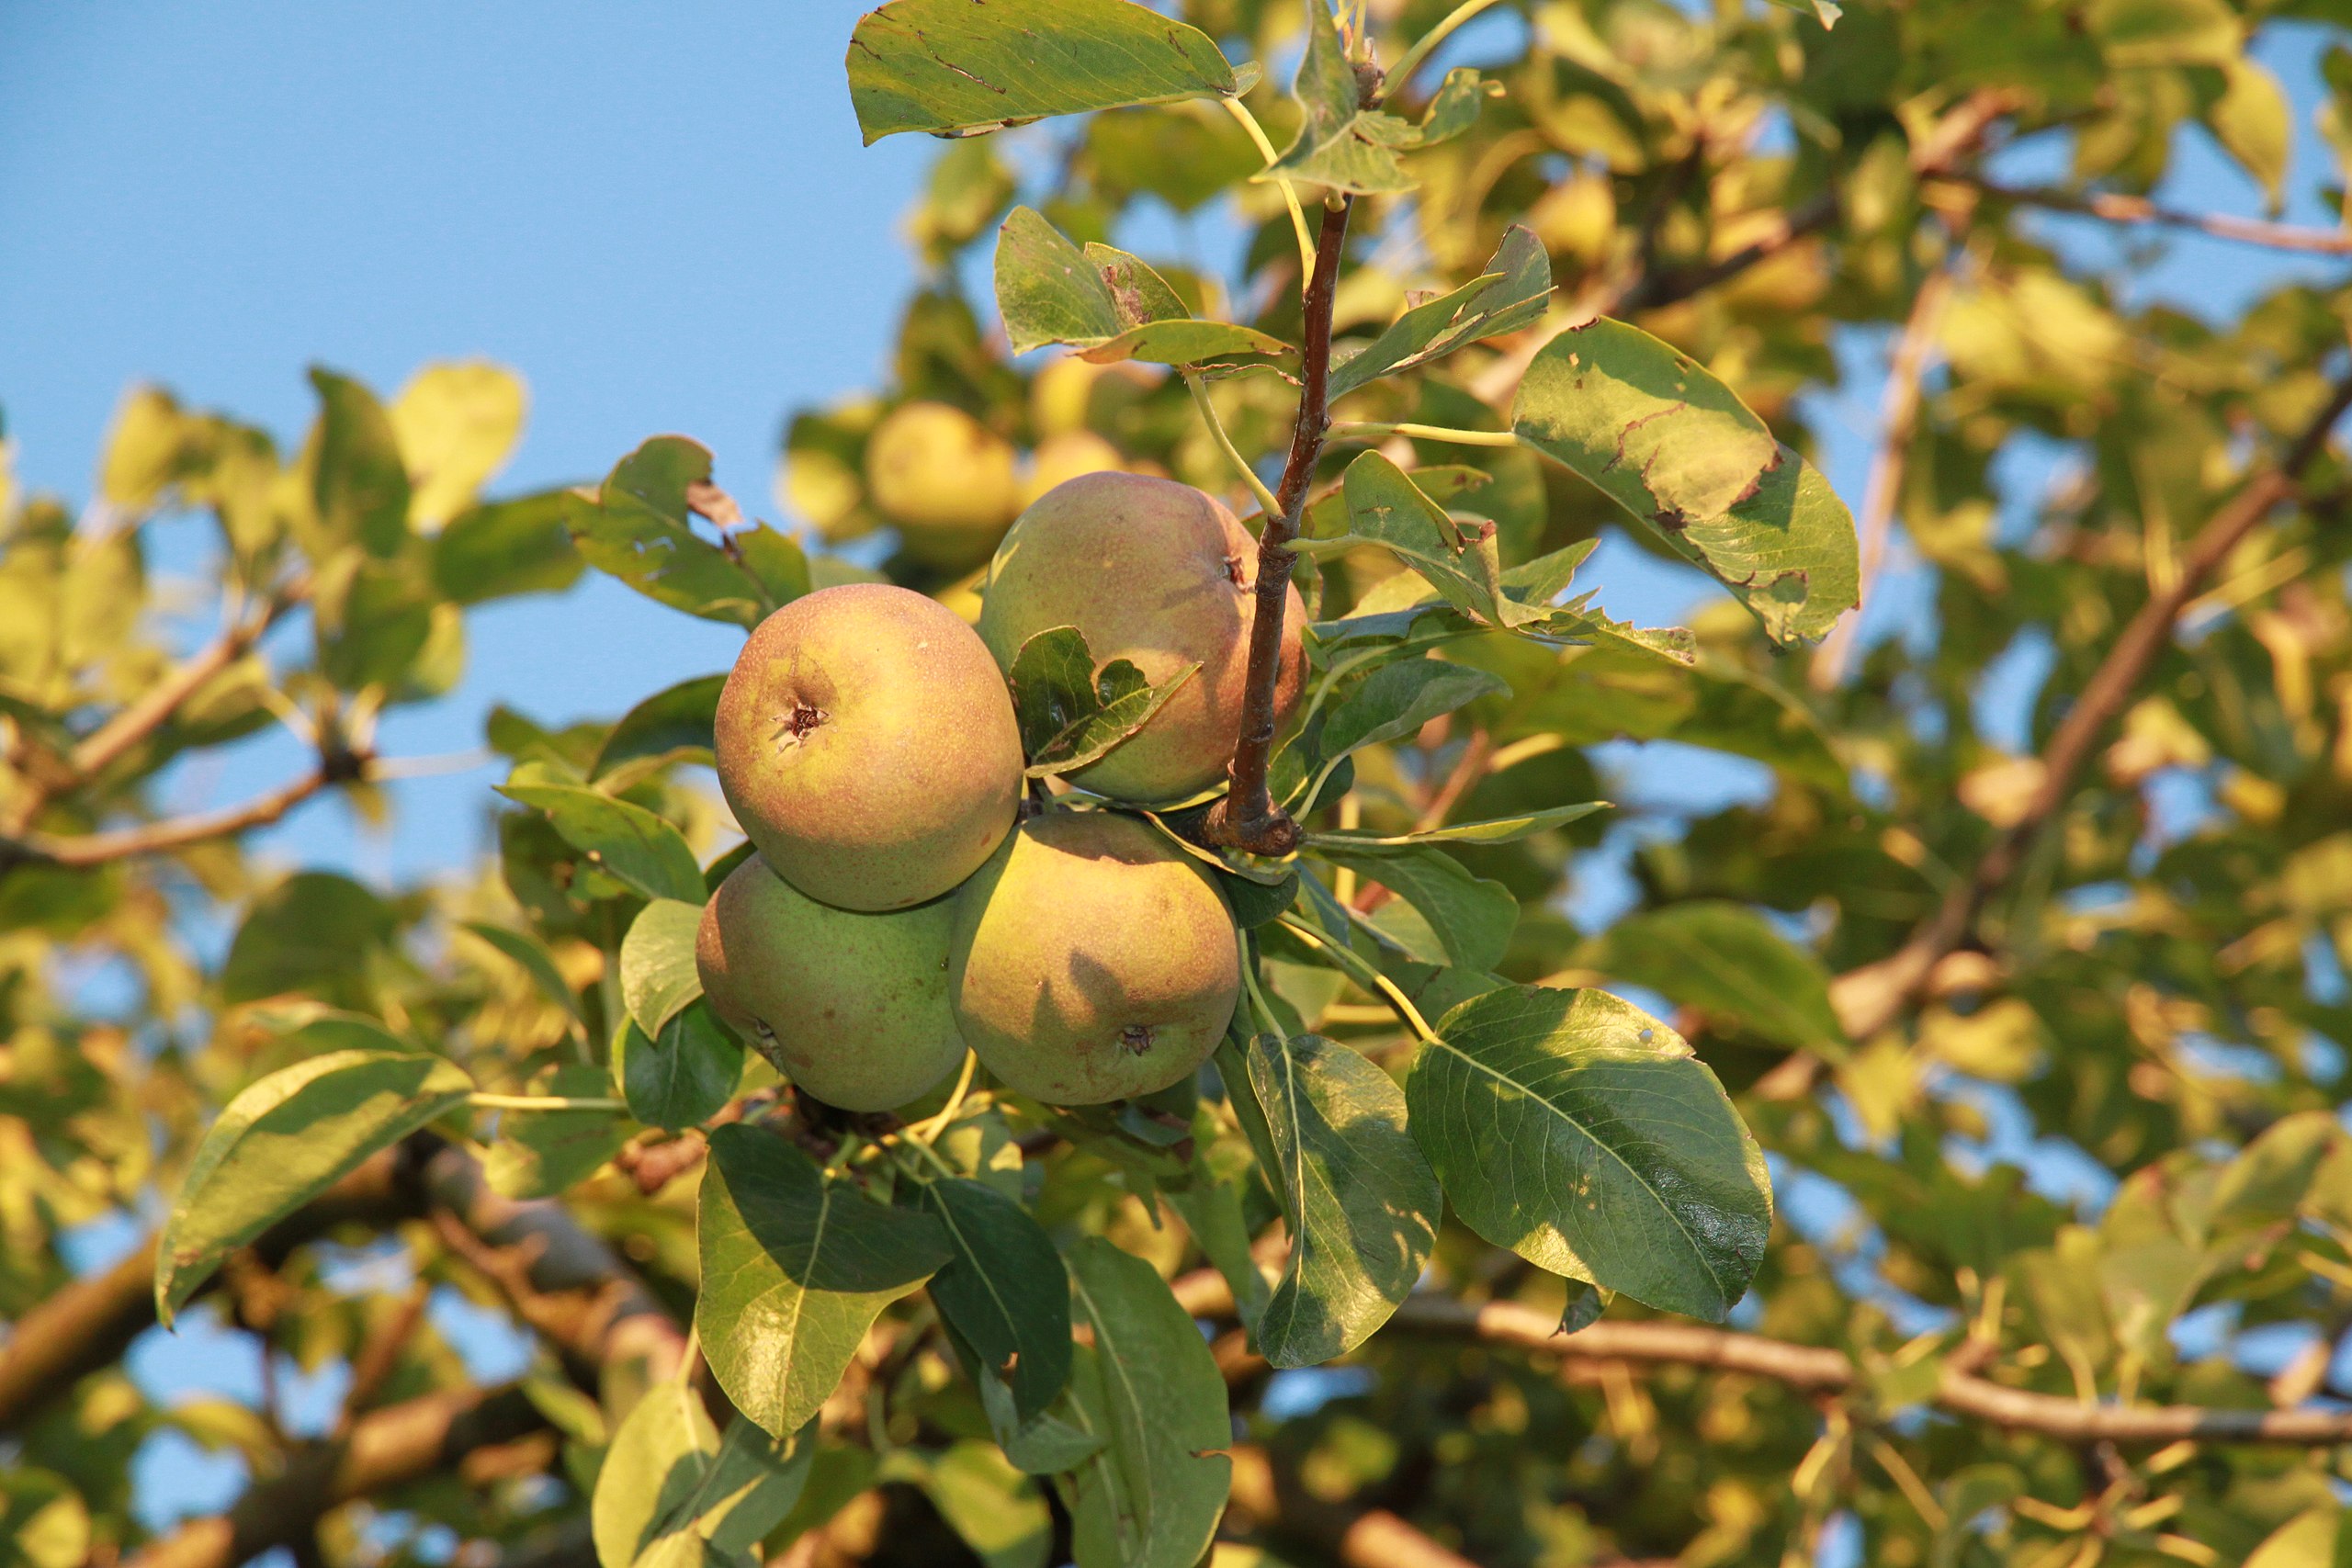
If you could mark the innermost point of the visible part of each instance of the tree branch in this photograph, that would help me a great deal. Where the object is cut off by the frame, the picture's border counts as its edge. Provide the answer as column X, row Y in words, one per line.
column 1248, row 817
column 2118, row 208
column 1871, row 996
column 83, row 849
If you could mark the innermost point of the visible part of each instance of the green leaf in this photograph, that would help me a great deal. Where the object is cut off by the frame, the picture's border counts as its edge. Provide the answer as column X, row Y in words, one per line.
column 1047, row 1444
column 505, row 548
column 673, row 725
column 991, row 1505
column 1493, row 830
column 1072, row 714
column 289, row 1137
column 1725, row 959
column 1583, row 1134
column 531, row 956
column 359, row 485
column 1655, row 432
column 315, row 932
column 671, row 1488
column 1397, row 699
column 1360, row 1202
column 540, row 1154
column 1148, row 1386
column 954, row 69
column 1105, row 303
column 796, row 1266
column 683, row 1075
column 659, row 979
column 1004, row 1290
column 1351, row 148
column 1511, row 293
column 638, row 528
column 628, row 841
column 1462, row 919
column 43, row 1521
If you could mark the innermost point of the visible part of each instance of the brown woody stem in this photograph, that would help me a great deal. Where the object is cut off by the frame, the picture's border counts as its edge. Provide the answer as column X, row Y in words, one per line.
column 1248, row 818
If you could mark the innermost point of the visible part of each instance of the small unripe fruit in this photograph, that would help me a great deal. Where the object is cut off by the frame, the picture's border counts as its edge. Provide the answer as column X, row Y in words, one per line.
column 867, row 743
column 851, row 1006
column 945, row 479
column 1059, row 458
column 1092, row 960
column 1158, row 573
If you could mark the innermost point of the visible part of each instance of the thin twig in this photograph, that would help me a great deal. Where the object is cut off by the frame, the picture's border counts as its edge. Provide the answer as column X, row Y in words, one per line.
column 1412, row 59
column 1240, row 111
column 1267, row 504
column 2118, row 208
column 172, row 833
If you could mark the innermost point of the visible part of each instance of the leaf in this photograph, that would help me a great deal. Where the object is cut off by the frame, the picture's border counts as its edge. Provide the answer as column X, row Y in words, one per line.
column 358, row 484
column 1004, row 1290
column 1465, row 919
column 1071, row 715
column 505, row 548
column 540, row 1154
column 952, row 69
column 1396, row 700
column 283, row 1140
column 1360, row 1202
column 1042, row 1445
column 2255, row 122
column 991, row 1505
column 658, row 978
column 673, row 725
column 1151, row 1497
column 1583, row 1134
column 1655, row 432
column 1493, row 830
column 680, row 1077
column 670, row 1486
column 531, row 956
column 1348, row 147
column 316, row 933
column 1725, row 959
column 455, row 424
column 626, row 840
column 1513, row 292
column 796, row 1266
column 636, row 528
column 1105, row 303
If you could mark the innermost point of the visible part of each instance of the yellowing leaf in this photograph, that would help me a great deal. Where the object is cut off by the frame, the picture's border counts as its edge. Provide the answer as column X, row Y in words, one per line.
column 456, row 423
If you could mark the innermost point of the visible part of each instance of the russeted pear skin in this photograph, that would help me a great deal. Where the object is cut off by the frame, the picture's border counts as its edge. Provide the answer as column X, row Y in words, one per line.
column 1092, row 960
column 867, row 744
column 1158, row 573
column 851, row 1006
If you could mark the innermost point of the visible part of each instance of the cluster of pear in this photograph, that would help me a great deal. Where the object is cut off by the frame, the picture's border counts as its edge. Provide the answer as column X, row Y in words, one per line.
column 906, row 900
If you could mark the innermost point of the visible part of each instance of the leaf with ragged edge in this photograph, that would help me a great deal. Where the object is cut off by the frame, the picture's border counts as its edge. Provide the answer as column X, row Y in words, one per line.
column 283, row 1140
column 1148, row 1387
column 796, row 1266
column 1397, row 699
column 1456, row 557
column 1462, row 918
column 1725, row 959
column 658, row 978
column 672, row 1490
column 624, row 839
column 1348, row 147
column 1512, row 292
column 673, row 725
column 1103, row 302
column 680, row 1076
column 358, row 482
column 1582, row 1133
column 635, row 528
column 1492, row 830
column 1361, row 1202
column 508, row 547
column 1071, row 715
column 1658, row 433
column 955, row 69
column 1004, row 1290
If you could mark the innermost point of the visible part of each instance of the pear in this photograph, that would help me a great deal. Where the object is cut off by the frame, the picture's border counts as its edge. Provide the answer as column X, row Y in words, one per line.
column 867, row 743
column 1092, row 960
column 851, row 1008
column 945, row 479
column 1158, row 573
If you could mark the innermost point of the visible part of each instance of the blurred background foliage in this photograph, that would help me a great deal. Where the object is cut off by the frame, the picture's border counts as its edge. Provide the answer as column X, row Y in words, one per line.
column 2087, row 1146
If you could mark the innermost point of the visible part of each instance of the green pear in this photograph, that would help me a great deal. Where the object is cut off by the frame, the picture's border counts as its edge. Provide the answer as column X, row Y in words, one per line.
column 1092, row 960
column 1157, row 573
column 867, row 743
column 851, row 1006
column 947, row 479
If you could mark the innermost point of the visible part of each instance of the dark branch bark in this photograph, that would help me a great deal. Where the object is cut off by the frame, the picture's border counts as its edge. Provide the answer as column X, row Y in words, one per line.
column 1248, row 817
column 1870, row 997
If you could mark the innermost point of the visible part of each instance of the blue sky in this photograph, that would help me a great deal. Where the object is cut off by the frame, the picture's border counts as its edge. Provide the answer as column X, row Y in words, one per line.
column 662, row 218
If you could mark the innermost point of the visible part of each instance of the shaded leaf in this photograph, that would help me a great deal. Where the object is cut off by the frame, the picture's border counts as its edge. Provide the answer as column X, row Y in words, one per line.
column 1725, row 959
column 530, row 955
column 991, row 1505
column 505, row 548
column 1582, row 1133
column 796, row 1266
column 673, row 725
column 1510, row 293
column 540, row 1154
column 626, row 840
column 681, row 1076
column 358, row 482
column 1396, row 700
column 1071, row 714
column 671, row 1488
column 1105, row 303
column 1464, row 919
column 637, row 527
column 1004, row 1289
